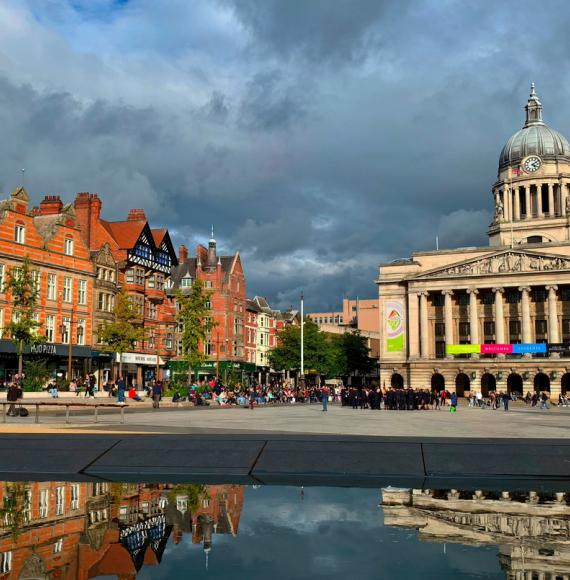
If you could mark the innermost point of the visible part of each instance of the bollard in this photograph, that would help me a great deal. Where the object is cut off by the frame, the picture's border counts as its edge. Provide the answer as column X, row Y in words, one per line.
column 37, row 413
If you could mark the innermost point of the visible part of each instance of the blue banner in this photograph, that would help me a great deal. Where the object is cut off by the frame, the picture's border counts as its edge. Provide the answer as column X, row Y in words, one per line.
column 532, row 348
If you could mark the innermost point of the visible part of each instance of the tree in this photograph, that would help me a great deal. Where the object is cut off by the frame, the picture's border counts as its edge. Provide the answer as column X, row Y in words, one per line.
column 355, row 354
column 319, row 350
column 23, row 290
column 122, row 334
column 193, row 315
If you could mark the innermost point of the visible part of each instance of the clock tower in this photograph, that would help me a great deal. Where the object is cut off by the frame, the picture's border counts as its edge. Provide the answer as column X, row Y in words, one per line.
column 531, row 195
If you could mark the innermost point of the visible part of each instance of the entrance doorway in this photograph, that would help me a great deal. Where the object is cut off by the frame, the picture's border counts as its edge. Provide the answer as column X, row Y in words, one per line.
column 488, row 383
column 515, row 384
column 462, row 384
column 437, row 382
column 541, row 382
column 397, row 381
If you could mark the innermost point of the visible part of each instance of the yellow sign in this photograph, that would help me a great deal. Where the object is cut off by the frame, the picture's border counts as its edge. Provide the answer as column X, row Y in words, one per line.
column 462, row 349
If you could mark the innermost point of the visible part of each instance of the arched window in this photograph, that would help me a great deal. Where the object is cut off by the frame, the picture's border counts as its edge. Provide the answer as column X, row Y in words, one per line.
column 534, row 240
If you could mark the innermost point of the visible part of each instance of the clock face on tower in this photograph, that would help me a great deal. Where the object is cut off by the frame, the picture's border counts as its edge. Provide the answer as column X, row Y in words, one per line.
column 531, row 164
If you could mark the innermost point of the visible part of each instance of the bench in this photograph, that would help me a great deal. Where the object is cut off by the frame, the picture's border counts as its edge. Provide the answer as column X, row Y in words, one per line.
column 67, row 406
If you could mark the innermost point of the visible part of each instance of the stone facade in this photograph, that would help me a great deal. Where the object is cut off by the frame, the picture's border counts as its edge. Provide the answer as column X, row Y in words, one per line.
column 516, row 291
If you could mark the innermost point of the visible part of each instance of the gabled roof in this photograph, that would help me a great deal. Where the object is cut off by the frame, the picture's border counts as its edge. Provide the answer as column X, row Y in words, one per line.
column 125, row 233
column 251, row 305
column 189, row 267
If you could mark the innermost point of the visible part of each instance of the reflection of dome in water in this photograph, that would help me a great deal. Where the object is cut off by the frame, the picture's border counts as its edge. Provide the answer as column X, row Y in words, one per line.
column 535, row 138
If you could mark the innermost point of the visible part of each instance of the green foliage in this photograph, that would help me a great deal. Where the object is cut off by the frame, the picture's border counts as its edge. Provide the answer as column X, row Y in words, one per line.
column 121, row 335
column 193, row 315
column 194, row 491
column 325, row 354
column 23, row 292
column 37, row 374
column 14, row 510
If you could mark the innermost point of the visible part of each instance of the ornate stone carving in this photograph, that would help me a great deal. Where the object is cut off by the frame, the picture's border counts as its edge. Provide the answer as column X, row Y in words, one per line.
column 507, row 262
column 104, row 256
column 499, row 212
column 34, row 569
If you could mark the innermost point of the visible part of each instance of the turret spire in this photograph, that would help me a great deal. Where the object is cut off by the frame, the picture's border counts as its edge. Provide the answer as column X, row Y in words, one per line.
column 533, row 109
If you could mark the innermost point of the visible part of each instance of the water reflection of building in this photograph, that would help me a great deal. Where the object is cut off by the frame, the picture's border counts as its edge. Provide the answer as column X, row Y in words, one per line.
column 77, row 531
column 531, row 530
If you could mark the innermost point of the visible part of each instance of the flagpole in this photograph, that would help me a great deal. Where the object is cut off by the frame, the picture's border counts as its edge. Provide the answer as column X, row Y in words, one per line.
column 302, row 336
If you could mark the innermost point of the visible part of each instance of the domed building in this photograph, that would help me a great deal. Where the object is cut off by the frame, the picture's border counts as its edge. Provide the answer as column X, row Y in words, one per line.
column 494, row 318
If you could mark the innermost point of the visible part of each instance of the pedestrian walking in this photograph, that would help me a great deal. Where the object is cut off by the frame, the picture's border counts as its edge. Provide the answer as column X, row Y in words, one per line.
column 156, row 394
column 453, row 403
column 325, row 397
column 121, row 388
column 13, row 395
column 506, row 399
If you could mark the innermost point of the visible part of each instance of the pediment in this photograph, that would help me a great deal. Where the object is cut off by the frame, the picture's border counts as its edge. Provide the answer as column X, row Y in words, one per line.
column 104, row 257
column 503, row 262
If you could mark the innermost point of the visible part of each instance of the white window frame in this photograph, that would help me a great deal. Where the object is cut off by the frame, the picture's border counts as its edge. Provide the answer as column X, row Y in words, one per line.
column 68, row 246
column 81, row 323
column 67, row 289
column 59, row 500
column 20, row 234
column 82, row 292
column 44, row 503
column 50, row 328
column 52, row 286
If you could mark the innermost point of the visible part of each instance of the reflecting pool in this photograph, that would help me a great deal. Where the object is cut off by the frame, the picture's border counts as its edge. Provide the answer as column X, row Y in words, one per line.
column 87, row 530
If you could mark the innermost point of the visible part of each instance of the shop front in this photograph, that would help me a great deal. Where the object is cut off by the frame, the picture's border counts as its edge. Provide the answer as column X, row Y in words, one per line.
column 55, row 355
column 140, row 369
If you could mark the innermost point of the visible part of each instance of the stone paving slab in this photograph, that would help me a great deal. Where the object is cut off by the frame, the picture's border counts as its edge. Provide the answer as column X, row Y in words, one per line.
column 338, row 459
column 156, row 457
column 49, row 457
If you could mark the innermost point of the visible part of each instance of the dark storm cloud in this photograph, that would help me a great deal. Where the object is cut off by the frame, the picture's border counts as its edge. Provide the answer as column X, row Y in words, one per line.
column 319, row 137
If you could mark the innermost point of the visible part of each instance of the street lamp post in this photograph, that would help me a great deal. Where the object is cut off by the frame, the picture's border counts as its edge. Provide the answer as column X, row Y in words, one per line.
column 302, row 337
column 64, row 328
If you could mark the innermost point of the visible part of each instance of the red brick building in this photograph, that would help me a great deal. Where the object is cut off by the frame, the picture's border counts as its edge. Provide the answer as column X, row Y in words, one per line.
column 223, row 276
column 145, row 257
column 50, row 236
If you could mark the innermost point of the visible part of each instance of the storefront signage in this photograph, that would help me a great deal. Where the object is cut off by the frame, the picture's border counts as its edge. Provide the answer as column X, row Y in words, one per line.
column 43, row 348
column 137, row 358
column 394, row 326
column 526, row 348
column 561, row 347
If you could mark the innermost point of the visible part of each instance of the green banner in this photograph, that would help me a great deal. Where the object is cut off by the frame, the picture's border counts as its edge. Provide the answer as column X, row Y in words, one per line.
column 462, row 349
column 394, row 326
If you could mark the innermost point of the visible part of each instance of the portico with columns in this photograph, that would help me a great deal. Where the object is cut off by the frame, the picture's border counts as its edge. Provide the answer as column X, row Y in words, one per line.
column 514, row 291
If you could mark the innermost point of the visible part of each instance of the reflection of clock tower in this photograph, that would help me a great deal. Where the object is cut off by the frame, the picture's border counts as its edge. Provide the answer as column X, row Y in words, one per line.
column 532, row 201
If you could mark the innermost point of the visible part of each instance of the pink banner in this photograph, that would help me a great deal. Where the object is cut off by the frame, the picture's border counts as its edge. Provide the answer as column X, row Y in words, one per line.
column 496, row 349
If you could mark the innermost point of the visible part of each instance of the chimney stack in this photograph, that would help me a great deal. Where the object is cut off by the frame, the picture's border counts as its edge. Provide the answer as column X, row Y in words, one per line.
column 51, row 205
column 136, row 215
column 182, row 253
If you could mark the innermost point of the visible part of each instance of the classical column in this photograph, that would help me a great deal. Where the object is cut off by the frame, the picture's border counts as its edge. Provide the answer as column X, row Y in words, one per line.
column 507, row 203
column 424, row 334
column 553, row 334
column 448, row 315
column 562, row 188
column 414, row 326
column 499, row 316
column 473, row 316
column 528, row 207
column 538, row 189
column 517, row 200
column 551, row 208
column 525, row 311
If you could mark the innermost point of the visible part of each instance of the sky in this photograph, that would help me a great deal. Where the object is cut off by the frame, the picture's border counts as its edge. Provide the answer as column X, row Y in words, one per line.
column 320, row 137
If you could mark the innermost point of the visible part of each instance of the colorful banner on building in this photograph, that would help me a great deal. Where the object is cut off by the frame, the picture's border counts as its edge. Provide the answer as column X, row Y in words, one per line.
column 496, row 349
column 462, row 349
column 527, row 348
column 395, row 322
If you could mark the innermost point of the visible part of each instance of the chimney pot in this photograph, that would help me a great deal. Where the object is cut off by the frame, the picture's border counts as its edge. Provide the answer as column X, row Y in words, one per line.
column 136, row 215
column 182, row 253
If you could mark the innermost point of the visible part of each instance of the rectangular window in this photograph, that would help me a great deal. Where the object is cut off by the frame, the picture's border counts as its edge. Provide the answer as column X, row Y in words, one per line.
column 159, row 282
column 152, row 310
column 489, row 328
column 52, row 287
column 463, row 299
column 58, row 546
column 102, row 301
column 513, row 297
column 439, row 329
column 75, row 496
column 488, row 298
column 139, row 276
column 514, row 328
column 50, row 328
column 1, row 277
column 5, row 562
column 20, row 234
column 150, row 283
column 565, row 294
column 36, row 278
column 68, row 247
column 81, row 328
column 82, row 292
column 464, row 329
column 208, row 284
column 169, row 341
column 540, row 326
column 539, row 295
column 67, row 289
column 65, row 327
column 1, row 322
column 439, row 348
column 438, row 299
column 59, row 499
column 44, row 503
column 130, row 274
column 566, row 327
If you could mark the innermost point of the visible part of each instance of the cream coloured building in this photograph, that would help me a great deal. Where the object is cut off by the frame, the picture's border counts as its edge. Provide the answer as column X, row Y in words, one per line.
column 516, row 291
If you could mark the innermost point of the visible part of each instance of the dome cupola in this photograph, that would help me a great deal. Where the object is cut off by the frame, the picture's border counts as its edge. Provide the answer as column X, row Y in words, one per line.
column 535, row 138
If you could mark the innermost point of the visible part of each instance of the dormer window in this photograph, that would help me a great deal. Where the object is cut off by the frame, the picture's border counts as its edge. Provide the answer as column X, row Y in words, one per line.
column 186, row 282
column 68, row 246
column 20, row 233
